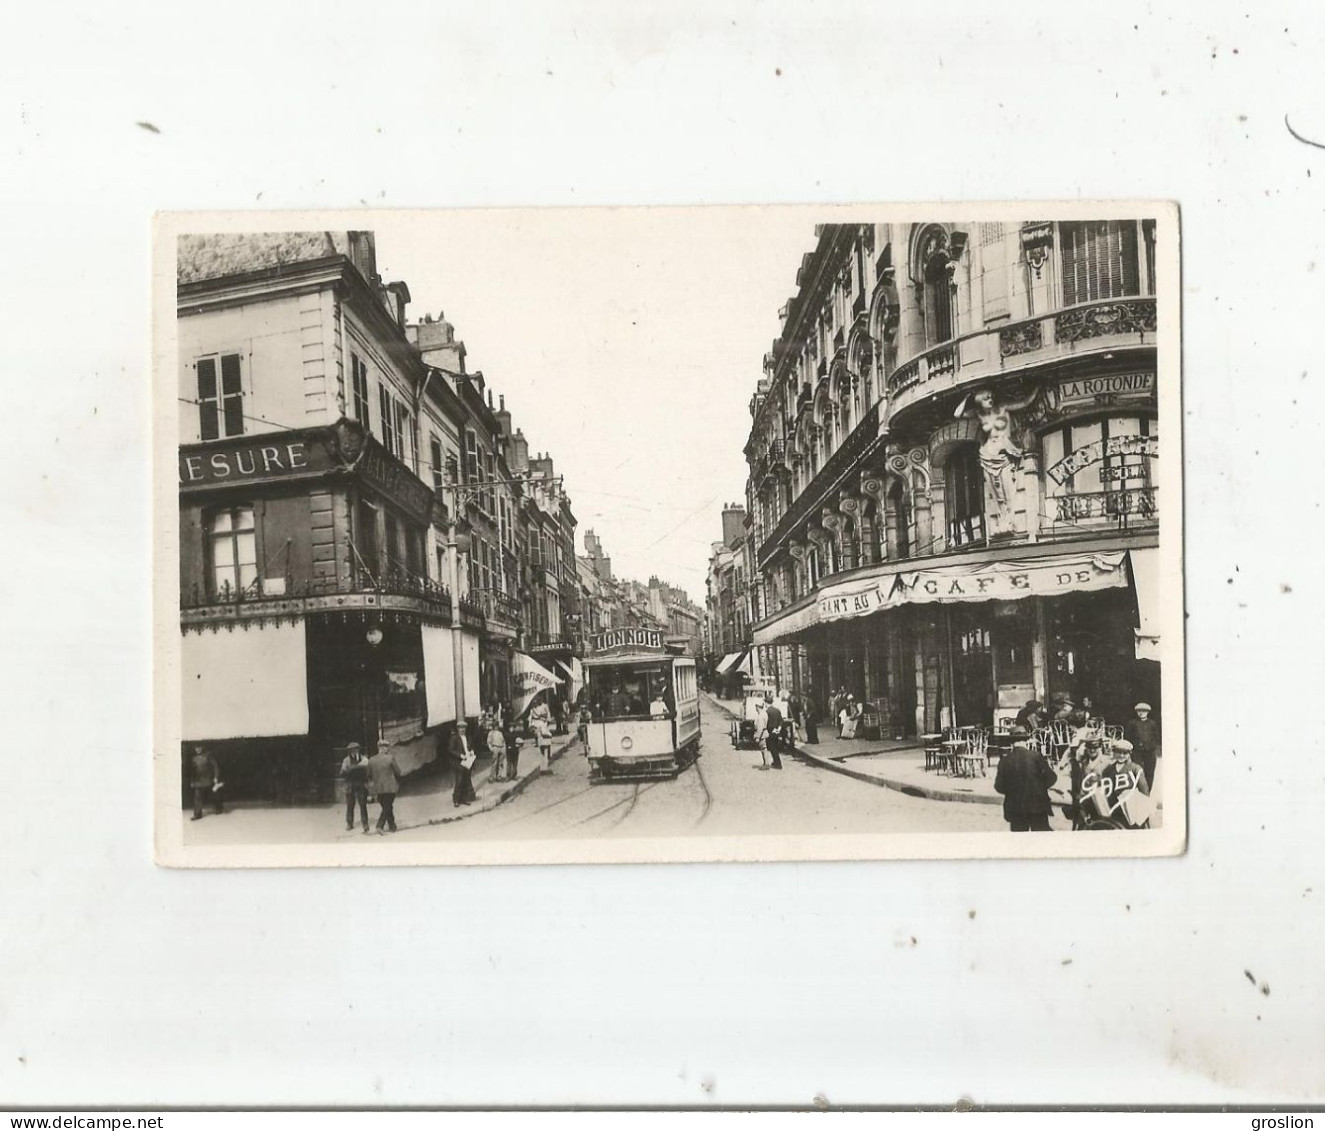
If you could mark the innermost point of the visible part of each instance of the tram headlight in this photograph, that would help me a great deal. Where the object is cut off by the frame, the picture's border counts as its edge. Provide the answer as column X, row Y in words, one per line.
column 627, row 742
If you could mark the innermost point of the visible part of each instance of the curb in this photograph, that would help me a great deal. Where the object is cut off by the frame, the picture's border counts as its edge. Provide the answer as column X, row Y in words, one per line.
column 930, row 792
column 513, row 789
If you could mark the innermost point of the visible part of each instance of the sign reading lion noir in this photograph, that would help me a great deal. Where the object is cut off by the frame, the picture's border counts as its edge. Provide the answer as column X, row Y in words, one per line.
column 650, row 638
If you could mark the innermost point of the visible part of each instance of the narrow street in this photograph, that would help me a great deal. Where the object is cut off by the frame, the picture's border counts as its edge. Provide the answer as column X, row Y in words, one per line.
column 726, row 793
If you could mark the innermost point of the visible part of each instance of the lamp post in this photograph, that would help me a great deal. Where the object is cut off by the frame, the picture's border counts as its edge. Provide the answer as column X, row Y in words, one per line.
column 457, row 542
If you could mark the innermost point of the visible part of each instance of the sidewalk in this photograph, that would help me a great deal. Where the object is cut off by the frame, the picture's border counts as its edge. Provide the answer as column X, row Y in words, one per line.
column 892, row 763
column 425, row 799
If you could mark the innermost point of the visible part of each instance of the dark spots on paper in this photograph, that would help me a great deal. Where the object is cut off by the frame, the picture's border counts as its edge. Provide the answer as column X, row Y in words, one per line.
column 148, row 126
column 821, row 1101
column 1298, row 137
column 970, row 914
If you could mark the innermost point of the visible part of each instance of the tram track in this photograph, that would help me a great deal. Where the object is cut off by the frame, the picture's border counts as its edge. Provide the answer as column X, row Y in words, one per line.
column 708, row 795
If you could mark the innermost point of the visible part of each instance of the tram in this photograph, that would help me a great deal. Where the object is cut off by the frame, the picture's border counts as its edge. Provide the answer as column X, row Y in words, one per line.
column 644, row 707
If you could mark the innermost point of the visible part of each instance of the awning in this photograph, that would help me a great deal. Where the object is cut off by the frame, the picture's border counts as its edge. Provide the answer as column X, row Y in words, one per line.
column 1145, row 578
column 529, row 677
column 575, row 673
column 1009, row 579
column 249, row 682
column 438, row 674
column 746, row 666
column 473, row 692
column 727, row 661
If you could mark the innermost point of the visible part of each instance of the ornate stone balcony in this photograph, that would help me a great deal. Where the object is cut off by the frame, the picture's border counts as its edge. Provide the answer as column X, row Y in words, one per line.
column 396, row 591
column 1094, row 327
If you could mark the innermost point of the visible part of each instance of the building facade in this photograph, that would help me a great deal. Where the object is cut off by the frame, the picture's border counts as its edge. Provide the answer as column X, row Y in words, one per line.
column 365, row 542
column 953, row 465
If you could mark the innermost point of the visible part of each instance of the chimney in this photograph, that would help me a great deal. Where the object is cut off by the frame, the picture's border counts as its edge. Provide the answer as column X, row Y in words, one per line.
column 733, row 523
column 520, row 454
column 504, row 419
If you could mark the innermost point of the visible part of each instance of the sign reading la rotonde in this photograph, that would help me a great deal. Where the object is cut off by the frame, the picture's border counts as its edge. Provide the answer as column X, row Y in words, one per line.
column 1080, row 389
column 990, row 581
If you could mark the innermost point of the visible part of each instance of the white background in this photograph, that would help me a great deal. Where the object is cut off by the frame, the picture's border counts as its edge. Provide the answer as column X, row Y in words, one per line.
column 1195, row 979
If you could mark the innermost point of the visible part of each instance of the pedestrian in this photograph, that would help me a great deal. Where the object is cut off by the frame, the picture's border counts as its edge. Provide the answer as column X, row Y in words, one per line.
column 513, row 744
column 540, row 722
column 1060, row 707
column 205, row 780
column 496, row 740
column 354, row 769
column 797, row 714
column 773, row 734
column 1145, row 735
column 850, row 717
column 1114, row 779
column 761, row 727
column 1024, row 778
column 582, row 730
column 462, row 765
column 384, row 781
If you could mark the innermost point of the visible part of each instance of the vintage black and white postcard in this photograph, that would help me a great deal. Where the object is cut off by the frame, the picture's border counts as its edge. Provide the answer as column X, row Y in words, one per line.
column 740, row 533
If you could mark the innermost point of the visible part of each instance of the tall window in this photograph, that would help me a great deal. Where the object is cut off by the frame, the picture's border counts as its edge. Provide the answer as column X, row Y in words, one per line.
column 404, row 433
column 435, row 453
column 1101, row 470
column 384, row 405
column 965, row 497
column 233, row 551
column 1099, row 260
column 359, row 382
column 394, row 549
column 940, row 320
column 220, row 396
column 900, row 501
column 365, row 537
column 490, row 474
column 472, row 466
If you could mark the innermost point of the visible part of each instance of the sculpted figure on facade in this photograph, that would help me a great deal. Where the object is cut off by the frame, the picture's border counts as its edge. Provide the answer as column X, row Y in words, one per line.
column 1001, row 456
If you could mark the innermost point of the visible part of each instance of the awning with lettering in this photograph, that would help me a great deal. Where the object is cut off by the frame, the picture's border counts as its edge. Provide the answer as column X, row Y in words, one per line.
column 244, row 682
column 954, row 583
column 439, row 673
column 1145, row 577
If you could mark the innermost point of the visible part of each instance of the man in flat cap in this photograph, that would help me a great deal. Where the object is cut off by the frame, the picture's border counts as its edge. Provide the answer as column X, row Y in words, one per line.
column 1143, row 732
column 354, row 769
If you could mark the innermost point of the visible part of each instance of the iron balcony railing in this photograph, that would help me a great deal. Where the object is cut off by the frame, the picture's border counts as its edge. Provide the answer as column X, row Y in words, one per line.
column 396, row 583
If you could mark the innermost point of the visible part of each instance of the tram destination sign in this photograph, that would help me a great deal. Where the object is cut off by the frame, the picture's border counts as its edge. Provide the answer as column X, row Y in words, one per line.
column 649, row 638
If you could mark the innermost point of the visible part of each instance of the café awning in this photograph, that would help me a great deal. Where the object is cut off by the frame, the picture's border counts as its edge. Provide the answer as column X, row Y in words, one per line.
column 1007, row 579
column 249, row 682
column 1145, row 578
column 727, row 661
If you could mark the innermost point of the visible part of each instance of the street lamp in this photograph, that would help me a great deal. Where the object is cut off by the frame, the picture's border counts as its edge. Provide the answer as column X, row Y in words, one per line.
column 458, row 542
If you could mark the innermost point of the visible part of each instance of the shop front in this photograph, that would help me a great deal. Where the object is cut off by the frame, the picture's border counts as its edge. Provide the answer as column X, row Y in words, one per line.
column 969, row 642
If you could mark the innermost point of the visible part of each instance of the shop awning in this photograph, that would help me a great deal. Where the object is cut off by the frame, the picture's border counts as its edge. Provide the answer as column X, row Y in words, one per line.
column 727, row 661
column 1007, row 579
column 249, row 682
column 438, row 674
column 746, row 666
column 1145, row 578
column 473, row 692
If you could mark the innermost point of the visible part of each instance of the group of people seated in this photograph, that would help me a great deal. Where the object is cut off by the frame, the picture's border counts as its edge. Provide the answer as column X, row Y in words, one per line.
column 634, row 695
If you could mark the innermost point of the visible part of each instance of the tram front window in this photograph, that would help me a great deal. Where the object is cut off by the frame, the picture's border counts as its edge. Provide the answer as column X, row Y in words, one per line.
column 633, row 693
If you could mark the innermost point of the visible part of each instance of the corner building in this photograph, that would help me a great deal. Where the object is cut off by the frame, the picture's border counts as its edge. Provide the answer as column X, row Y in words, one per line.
column 953, row 467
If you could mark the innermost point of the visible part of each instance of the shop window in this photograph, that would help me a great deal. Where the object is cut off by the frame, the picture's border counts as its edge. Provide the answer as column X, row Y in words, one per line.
column 359, row 383
column 965, row 497
column 1099, row 260
column 220, row 396
column 232, row 551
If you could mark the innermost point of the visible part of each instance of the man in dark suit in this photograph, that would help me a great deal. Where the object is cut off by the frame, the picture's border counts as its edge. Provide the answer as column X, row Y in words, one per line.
column 384, row 780
column 205, row 779
column 1024, row 778
column 773, row 731
column 462, row 761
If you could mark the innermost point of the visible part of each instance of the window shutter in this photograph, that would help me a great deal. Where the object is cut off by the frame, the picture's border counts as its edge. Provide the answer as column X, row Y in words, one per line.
column 207, row 399
column 232, row 394
column 384, row 403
